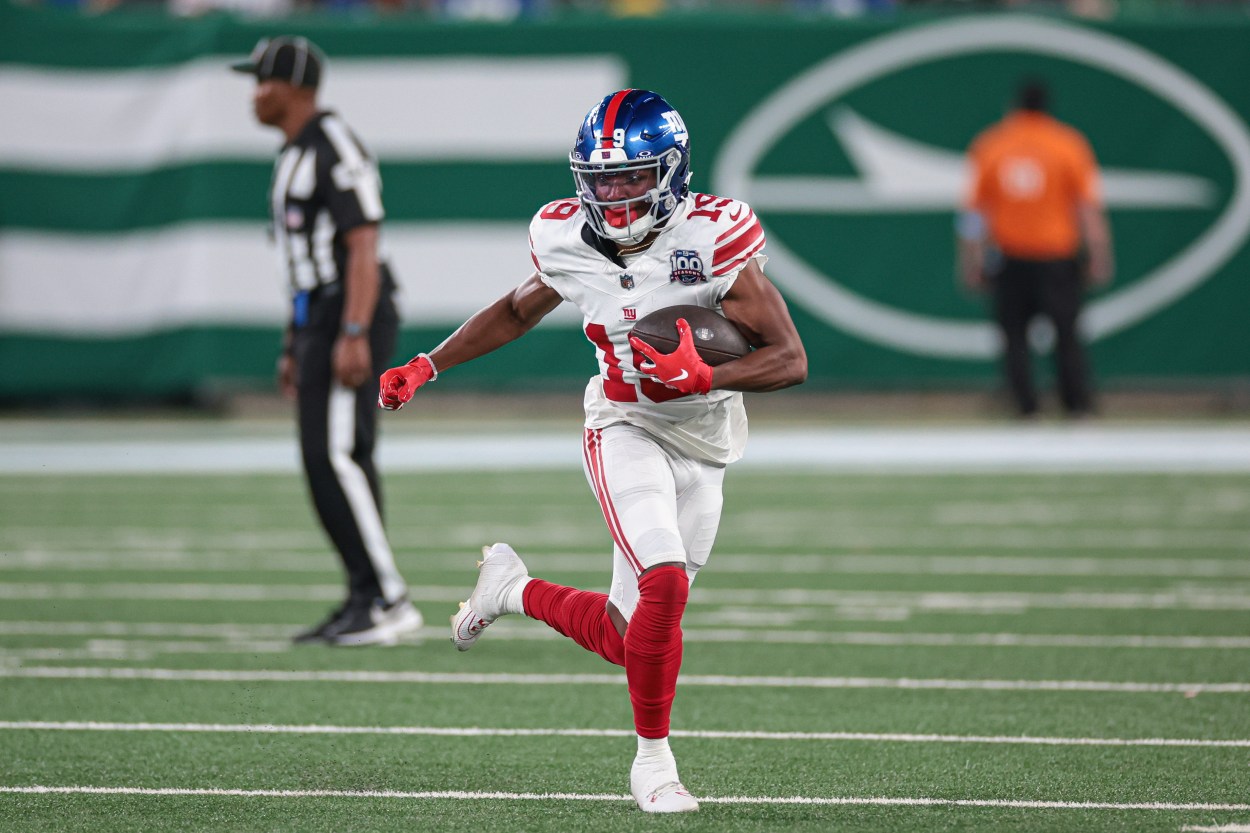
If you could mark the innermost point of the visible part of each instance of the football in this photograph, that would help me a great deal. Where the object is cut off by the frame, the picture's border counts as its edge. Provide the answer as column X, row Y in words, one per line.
column 716, row 338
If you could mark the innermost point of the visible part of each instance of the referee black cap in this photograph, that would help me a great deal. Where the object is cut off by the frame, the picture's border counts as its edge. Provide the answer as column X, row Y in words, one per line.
column 292, row 59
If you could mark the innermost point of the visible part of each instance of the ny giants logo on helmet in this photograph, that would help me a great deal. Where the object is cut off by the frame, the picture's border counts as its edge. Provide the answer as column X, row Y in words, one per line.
column 687, row 267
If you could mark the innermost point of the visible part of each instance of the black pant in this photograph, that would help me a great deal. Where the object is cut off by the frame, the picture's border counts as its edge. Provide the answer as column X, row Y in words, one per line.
column 337, row 432
column 1024, row 289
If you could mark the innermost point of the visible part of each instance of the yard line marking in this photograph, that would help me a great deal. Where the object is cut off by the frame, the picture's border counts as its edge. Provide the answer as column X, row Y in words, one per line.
column 165, row 629
column 1183, row 598
column 313, row 561
column 1215, row 598
column 519, row 631
column 1222, row 828
column 478, row 731
column 979, row 565
column 180, row 592
column 881, row 451
column 737, row 799
column 722, row 681
column 142, row 650
column 1005, row 640
column 859, row 534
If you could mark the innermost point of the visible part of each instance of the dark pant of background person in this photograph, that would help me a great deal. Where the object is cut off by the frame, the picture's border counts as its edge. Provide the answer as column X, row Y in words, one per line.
column 330, row 486
column 1024, row 289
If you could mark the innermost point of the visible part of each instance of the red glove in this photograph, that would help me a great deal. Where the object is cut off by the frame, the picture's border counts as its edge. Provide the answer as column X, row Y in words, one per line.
column 398, row 384
column 683, row 369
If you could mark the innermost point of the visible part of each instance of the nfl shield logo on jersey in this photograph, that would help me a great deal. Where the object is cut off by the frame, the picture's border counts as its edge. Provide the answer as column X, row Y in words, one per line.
column 627, row 281
column 687, row 267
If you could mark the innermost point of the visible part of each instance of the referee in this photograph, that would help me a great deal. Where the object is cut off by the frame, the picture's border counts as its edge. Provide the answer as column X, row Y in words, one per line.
column 1035, row 197
column 325, row 205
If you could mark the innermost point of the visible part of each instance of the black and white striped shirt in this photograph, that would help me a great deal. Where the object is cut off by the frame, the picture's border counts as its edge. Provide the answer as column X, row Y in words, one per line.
column 325, row 183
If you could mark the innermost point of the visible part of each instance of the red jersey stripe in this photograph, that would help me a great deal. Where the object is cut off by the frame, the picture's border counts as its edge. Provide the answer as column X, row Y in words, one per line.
column 751, row 237
column 738, row 227
column 738, row 263
column 593, row 449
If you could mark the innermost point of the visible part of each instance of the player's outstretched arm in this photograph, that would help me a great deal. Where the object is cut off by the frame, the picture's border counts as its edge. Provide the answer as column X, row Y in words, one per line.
column 779, row 359
column 504, row 321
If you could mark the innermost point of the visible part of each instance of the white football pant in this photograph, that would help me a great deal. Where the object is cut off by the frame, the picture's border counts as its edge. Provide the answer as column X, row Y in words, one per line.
column 659, row 505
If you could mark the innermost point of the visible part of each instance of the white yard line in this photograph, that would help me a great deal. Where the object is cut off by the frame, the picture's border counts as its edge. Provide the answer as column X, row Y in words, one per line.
column 477, row 731
column 266, row 636
column 959, row 640
column 143, row 650
column 1221, row 828
column 1212, row 598
column 714, row 681
column 859, row 533
column 245, row 558
column 162, row 629
column 602, row 797
column 1010, row 448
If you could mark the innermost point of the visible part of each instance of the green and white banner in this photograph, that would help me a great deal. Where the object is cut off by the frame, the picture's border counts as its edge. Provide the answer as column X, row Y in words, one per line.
column 132, row 224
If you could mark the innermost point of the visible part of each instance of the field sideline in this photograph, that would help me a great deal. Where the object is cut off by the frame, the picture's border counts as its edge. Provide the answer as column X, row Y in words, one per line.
column 960, row 627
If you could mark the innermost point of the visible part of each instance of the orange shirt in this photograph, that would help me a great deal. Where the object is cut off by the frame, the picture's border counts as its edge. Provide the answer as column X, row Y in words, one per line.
column 1029, row 174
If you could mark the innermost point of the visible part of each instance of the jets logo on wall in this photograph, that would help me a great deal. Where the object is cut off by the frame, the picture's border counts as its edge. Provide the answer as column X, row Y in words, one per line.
column 897, row 176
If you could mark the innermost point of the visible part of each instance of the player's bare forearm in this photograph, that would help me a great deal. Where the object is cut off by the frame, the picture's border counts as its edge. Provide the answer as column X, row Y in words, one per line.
column 362, row 283
column 779, row 359
column 972, row 263
column 970, row 234
column 1097, row 235
column 769, row 368
column 500, row 323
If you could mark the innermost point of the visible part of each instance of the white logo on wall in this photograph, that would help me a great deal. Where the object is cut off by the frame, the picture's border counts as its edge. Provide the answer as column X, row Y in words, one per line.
column 902, row 175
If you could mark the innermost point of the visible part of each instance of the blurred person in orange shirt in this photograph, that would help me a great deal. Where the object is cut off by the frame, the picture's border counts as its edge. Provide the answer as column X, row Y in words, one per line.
column 1034, row 233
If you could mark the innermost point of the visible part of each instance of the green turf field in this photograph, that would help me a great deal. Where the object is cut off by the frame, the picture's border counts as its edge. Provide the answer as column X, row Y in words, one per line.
column 888, row 653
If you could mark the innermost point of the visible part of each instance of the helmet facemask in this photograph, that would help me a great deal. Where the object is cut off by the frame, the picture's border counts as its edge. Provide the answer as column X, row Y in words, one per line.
column 631, row 219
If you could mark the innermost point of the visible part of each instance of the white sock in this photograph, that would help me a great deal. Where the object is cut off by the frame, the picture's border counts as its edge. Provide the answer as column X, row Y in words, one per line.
column 512, row 602
column 654, row 753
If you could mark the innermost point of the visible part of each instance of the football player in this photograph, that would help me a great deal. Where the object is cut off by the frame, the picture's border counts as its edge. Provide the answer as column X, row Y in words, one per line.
column 660, row 428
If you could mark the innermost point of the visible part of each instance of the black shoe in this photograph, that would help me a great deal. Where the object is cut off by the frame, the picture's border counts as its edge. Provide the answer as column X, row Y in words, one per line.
column 317, row 633
column 378, row 623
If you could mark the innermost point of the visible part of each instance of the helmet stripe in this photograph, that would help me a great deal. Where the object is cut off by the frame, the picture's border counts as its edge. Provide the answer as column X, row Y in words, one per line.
column 609, row 118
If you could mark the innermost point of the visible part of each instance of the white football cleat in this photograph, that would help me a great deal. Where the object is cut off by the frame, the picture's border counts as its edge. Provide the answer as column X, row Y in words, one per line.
column 660, row 791
column 500, row 572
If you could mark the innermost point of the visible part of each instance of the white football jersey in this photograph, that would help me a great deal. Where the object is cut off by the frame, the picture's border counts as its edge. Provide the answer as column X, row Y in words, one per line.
column 695, row 260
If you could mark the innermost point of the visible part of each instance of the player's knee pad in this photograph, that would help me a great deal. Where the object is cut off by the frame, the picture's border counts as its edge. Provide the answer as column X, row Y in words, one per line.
column 659, row 546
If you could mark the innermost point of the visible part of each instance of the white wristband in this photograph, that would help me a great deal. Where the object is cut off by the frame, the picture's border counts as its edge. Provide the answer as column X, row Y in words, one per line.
column 433, row 367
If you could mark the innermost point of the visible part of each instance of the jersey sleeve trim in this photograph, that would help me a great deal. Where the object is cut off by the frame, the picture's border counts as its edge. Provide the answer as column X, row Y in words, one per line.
column 737, row 227
column 733, row 254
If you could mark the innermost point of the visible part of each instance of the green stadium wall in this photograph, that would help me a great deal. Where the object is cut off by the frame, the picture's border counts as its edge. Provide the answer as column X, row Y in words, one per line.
column 133, row 250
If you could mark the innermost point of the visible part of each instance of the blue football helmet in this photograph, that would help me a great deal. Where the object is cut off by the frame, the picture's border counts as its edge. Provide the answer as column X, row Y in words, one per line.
column 631, row 130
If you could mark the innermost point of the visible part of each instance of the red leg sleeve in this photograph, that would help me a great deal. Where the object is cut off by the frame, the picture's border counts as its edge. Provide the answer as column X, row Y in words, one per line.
column 578, row 614
column 653, row 648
